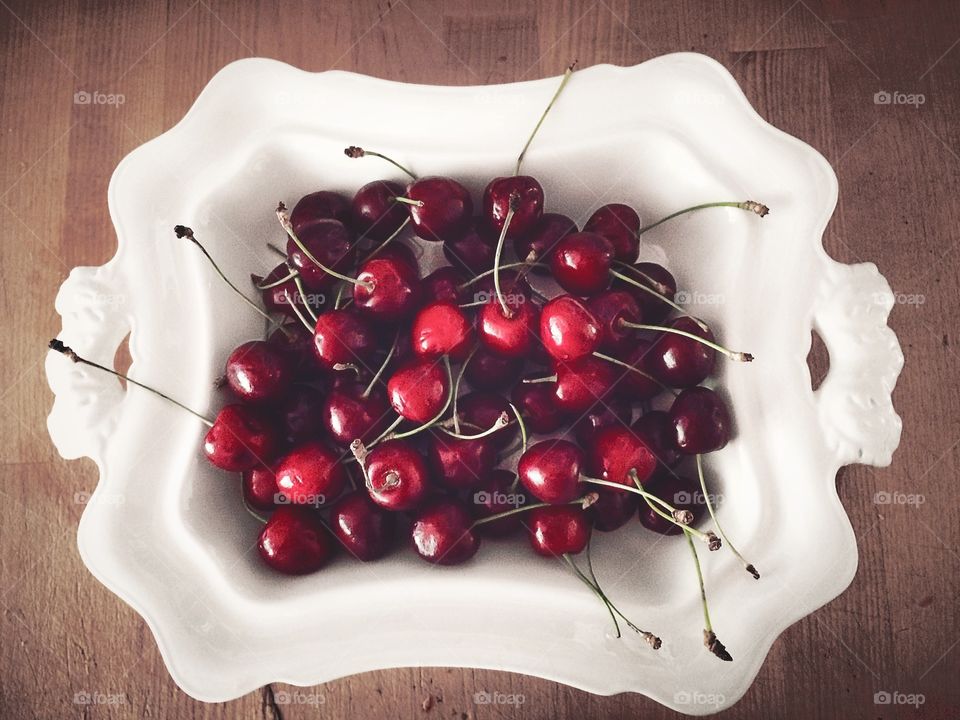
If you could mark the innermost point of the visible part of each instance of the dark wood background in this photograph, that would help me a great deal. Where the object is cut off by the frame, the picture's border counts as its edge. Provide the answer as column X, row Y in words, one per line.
column 811, row 67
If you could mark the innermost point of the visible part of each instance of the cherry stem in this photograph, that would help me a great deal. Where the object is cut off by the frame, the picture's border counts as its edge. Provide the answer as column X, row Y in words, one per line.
column 656, row 293
column 505, row 266
column 637, row 370
column 563, row 82
column 434, row 420
column 386, row 242
column 523, row 428
column 748, row 205
column 58, row 346
column 357, row 152
column 284, row 219
column 279, row 251
column 303, row 294
column 652, row 639
column 408, row 201
column 277, row 283
column 253, row 512
column 514, row 204
column 710, row 639
column 456, row 387
column 184, row 232
column 339, row 296
column 595, row 590
column 706, row 498
column 545, row 378
column 584, row 502
column 383, row 367
column 501, row 422
column 733, row 355
column 296, row 311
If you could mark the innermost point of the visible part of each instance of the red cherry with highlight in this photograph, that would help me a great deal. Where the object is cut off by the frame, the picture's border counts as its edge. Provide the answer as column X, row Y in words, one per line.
column 442, row 533
column 348, row 415
column 701, row 421
column 361, row 526
column 330, row 243
column 483, row 409
column 600, row 416
column 441, row 328
column 496, row 204
column 388, row 289
column 343, row 337
column 550, row 471
column 581, row 263
column 537, row 403
column 611, row 308
column 619, row 224
column 656, row 431
column 550, row 229
column 612, row 509
column 321, row 205
column 568, row 329
column 558, row 530
column 241, row 438
column 582, row 383
column 681, row 492
column 615, row 451
column 512, row 335
column 652, row 309
column 311, row 474
column 459, row 464
column 259, row 485
column 257, row 371
column 419, row 390
column 444, row 208
column 374, row 212
column 678, row 361
column 295, row 542
column 396, row 475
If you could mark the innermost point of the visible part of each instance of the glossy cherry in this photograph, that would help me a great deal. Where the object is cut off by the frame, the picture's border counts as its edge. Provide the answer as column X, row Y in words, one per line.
column 471, row 250
column 361, row 526
column 529, row 204
column 681, row 492
column 259, row 486
column 513, row 283
column 619, row 224
column 419, row 390
column 442, row 208
column 459, row 464
column 568, row 329
column 657, row 433
column 558, row 530
column 311, row 474
column 601, row 416
column 441, row 328
column 495, row 494
column 401, row 252
column 511, row 335
column 657, row 277
column 550, row 229
column 481, row 410
column 330, row 243
column 615, row 451
column 375, row 213
column 396, row 475
column 300, row 414
column 550, row 470
column 388, row 289
column 241, row 438
column 678, row 361
column 442, row 533
column 295, row 542
column 281, row 298
column 320, row 205
column 348, row 414
column 257, row 371
column 584, row 382
column 612, row 509
column 488, row 370
column 444, row 285
column 701, row 421
column 581, row 263
column 537, row 403
column 343, row 337
column 610, row 308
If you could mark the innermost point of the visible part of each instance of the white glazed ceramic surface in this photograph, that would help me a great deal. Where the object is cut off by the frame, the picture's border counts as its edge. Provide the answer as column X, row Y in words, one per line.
column 169, row 535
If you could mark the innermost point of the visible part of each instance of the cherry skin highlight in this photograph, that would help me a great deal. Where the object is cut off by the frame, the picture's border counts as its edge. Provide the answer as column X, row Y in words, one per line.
column 510, row 335
column 558, row 530
column 615, row 451
column 343, row 337
column 320, row 205
column 701, row 421
column 259, row 485
column 388, row 289
column 419, row 390
column 257, row 371
column 374, row 212
column 295, row 542
column 568, row 329
column 581, row 263
column 311, row 474
column 348, row 415
column 550, row 471
column 444, row 210
column 396, row 475
column 611, row 308
column 678, row 361
column 619, row 224
column 241, row 438
column 459, row 464
column 361, row 526
column 583, row 383
column 442, row 328
column 496, row 204
column 442, row 533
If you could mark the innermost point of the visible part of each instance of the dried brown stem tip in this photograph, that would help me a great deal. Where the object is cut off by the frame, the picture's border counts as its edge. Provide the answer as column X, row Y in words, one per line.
column 514, row 201
column 652, row 640
column 353, row 152
column 684, row 517
column 752, row 570
column 713, row 542
column 589, row 499
column 63, row 349
column 572, row 65
column 182, row 231
column 713, row 644
column 753, row 206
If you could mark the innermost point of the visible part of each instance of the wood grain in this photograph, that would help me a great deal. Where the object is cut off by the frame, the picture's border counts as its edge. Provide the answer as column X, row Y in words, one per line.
column 811, row 67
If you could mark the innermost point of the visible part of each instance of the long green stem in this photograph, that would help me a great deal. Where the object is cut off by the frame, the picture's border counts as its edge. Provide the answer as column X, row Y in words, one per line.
column 584, row 502
column 637, row 370
column 505, row 266
column 357, row 152
column 563, row 83
column 284, row 219
column 523, row 428
column 433, row 421
column 386, row 242
column 456, row 387
column 514, row 204
column 277, row 283
column 500, row 424
column 710, row 639
column 660, row 296
column 59, row 347
column 733, row 355
column 303, row 294
column 706, row 498
column 596, row 591
column 748, row 205
column 383, row 367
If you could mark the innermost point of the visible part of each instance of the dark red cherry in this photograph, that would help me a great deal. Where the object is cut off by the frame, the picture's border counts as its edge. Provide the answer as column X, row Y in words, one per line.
column 388, row 289
column 487, row 370
column 495, row 494
column 347, row 415
column 330, row 243
column 320, row 205
column 652, row 309
column 678, row 361
column 558, row 530
column 529, row 205
column 581, row 263
column 568, row 329
column 374, row 212
column 550, row 229
column 399, row 252
column 296, row 342
column 459, row 464
column 441, row 328
column 295, row 542
column 600, row 416
column 701, row 421
column 442, row 533
column 259, row 485
column 311, row 474
column 445, row 211
column 582, row 383
column 612, row 509
column 641, row 385
column 444, row 285
column 619, row 224
column 257, row 371
column 510, row 335
column 241, row 438
column 657, row 433
column 681, row 492
column 537, row 403
column 361, row 526
column 512, row 283
column 615, row 451
column 611, row 308
column 481, row 410
column 472, row 250
column 419, row 390
column 343, row 337
column 300, row 414
column 283, row 297
column 396, row 475
column 550, row 470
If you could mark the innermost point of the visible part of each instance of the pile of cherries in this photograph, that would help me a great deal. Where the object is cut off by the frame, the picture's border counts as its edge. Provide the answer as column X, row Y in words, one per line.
column 492, row 396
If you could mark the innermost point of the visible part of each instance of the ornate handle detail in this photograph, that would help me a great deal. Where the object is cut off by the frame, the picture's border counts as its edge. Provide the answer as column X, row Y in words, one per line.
column 854, row 400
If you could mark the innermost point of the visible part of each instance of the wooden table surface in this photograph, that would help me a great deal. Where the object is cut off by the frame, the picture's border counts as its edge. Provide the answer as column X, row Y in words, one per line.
column 812, row 67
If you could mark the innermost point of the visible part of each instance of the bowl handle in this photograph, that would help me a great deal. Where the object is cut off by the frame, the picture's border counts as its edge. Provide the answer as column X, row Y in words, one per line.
column 854, row 401
column 95, row 308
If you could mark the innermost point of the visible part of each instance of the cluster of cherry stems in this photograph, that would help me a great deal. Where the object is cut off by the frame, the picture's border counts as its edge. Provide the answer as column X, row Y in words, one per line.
column 352, row 404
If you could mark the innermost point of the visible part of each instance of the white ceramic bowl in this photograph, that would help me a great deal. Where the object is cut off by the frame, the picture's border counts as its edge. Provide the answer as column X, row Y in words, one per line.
column 168, row 534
